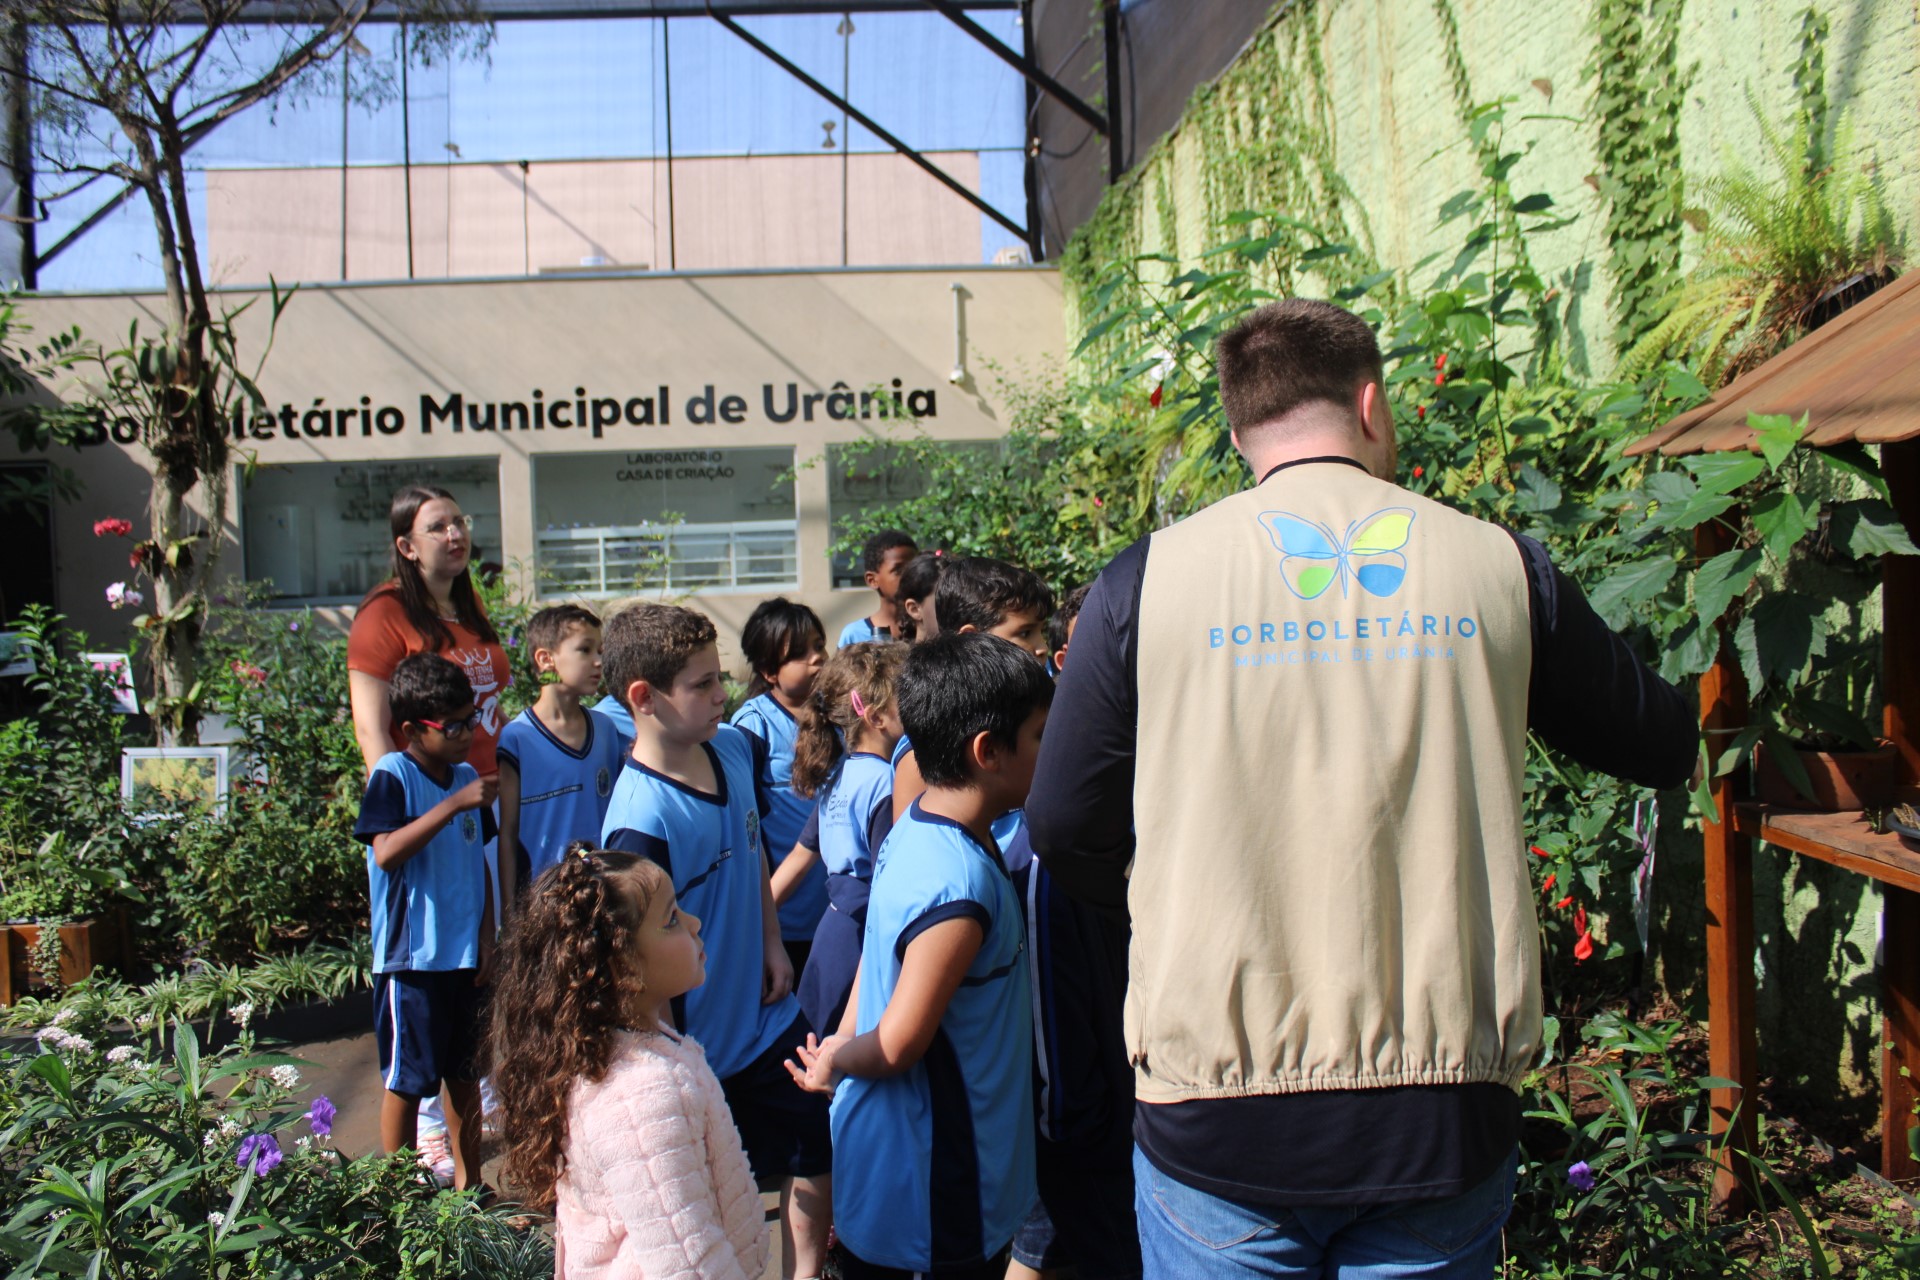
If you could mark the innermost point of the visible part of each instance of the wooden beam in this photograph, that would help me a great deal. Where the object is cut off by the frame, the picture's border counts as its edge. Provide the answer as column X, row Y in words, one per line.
column 1732, row 1052
column 1900, row 925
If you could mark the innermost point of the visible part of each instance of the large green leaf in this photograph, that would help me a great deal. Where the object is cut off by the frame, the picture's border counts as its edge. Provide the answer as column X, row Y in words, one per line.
column 1778, row 435
column 1725, row 472
column 1690, row 651
column 1869, row 527
column 1779, row 636
column 1629, row 585
column 1722, row 580
column 1782, row 519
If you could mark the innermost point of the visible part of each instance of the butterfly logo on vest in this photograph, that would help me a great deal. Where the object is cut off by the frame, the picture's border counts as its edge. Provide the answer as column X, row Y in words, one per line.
column 1313, row 557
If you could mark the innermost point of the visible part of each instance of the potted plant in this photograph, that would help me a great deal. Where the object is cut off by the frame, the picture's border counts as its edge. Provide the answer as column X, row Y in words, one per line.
column 1797, row 531
column 62, row 911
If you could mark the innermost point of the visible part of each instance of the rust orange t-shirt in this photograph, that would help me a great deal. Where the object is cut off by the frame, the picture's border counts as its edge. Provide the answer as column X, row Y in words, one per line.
column 381, row 636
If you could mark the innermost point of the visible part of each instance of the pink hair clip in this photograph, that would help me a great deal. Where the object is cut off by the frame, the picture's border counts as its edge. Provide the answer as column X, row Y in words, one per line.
column 859, row 707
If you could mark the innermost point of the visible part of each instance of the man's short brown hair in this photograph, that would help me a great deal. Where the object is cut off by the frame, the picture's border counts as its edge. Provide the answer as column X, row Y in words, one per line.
column 1289, row 353
column 652, row 642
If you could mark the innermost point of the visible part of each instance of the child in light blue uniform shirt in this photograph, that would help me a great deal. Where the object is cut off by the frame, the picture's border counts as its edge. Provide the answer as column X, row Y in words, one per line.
column 687, row 799
column 883, row 557
column 932, row 1110
column 785, row 647
column 846, row 732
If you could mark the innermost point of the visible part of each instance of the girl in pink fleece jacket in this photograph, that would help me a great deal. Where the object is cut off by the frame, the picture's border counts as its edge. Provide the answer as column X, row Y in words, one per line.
column 614, row 1120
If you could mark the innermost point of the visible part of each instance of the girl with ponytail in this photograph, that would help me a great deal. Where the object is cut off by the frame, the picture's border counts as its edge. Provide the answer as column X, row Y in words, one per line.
column 844, row 757
column 613, row 1120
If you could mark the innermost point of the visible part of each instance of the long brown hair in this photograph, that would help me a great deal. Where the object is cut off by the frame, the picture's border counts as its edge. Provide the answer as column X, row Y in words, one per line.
column 868, row 670
column 565, row 986
column 410, row 585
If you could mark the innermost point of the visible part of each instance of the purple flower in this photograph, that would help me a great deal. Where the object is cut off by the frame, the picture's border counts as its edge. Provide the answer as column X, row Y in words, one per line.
column 1581, row 1176
column 260, row 1151
column 293, row 626
column 320, row 1115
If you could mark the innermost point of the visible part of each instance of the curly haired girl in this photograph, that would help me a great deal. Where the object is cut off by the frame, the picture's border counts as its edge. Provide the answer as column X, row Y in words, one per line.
column 852, row 703
column 614, row 1120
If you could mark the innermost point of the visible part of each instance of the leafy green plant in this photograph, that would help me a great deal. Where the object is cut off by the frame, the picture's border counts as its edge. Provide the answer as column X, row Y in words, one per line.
column 320, row 971
column 153, row 1158
column 1775, row 242
column 62, row 881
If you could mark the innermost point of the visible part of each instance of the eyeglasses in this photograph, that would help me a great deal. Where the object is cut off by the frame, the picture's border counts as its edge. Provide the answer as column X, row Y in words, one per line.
column 453, row 728
column 443, row 529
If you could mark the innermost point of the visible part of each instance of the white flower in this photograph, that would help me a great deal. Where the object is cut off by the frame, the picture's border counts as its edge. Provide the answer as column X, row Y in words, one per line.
column 142, row 1065
column 212, row 1136
column 63, row 1017
column 287, row 1077
column 120, row 1053
column 50, row 1036
column 217, row 1219
column 229, row 1127
column 143, row 1022
column 241, row 1014
column 304, row 1142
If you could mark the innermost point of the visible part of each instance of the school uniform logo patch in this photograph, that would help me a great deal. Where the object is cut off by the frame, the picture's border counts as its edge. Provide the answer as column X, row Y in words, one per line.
column 469, row 827
column 603, row 784
column 1313, row 557
column 753, row 832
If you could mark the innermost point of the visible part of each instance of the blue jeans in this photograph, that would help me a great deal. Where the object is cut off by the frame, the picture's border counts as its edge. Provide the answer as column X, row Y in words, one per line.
column 1192, row 1234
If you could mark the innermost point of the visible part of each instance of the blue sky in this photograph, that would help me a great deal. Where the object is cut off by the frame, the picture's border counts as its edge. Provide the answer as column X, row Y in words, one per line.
column 595, row 90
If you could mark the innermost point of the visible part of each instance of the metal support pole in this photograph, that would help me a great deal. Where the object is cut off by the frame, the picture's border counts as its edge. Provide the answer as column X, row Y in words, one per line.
column 346, row 100
column 1030, row 142
column 666, row 63
column 20, row 145
column 1025, row 62
column 1116, row 154
column 406, row 142
column 869, row 124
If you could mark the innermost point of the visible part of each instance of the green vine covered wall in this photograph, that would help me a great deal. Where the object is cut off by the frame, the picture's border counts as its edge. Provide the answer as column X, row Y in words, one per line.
column 1355, row 118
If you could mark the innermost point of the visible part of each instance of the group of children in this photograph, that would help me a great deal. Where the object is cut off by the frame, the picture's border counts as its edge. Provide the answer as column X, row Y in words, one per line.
column 807, row 947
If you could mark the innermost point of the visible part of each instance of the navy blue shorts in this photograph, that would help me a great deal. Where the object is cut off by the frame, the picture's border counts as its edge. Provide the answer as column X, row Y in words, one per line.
column 784, row 1129
column 831, row 969
column 428, row 1027
column 1083, row 1216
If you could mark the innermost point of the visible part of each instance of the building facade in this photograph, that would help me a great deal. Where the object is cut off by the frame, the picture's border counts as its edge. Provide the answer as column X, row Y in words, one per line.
column 690, row 436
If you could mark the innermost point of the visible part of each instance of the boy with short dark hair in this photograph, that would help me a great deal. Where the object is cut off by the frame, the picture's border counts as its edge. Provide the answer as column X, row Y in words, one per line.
column 980, row 594
column 426, row 821
column 884, row 556
column 1060, row 626
column 931, row 1067
column 558, row 758
column 687, row 799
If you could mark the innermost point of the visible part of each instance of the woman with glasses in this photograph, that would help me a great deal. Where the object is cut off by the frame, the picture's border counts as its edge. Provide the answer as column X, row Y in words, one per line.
column 429, row 606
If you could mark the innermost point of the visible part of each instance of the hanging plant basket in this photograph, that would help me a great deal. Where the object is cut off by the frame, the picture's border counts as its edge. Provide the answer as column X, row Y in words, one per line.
column 84, row 945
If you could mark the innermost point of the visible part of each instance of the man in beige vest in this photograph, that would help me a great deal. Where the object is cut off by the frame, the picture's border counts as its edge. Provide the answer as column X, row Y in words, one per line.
column 1291, row 746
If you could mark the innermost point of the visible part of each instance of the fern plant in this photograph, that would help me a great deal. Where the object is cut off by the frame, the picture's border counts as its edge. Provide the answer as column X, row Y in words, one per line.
column 1775, row 244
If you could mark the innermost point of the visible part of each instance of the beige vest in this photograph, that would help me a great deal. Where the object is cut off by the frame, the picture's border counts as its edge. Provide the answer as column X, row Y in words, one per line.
column 1330, row 889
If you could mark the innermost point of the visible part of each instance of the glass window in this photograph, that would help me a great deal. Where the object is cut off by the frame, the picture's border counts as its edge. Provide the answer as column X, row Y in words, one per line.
column 317, row 531
column 865, row 478
column 665, row 520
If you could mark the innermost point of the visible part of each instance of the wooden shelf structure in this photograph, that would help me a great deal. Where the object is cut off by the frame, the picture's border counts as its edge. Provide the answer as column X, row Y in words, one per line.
column 1857, row 379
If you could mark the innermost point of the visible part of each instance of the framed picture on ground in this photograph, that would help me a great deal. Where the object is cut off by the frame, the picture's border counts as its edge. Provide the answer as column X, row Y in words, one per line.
column 15, row 658
column 172, row 782
column 125, row 697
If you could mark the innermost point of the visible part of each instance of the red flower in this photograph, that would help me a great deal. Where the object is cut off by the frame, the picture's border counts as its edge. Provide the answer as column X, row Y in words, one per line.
column 1583, row 949
column 1440, row 379
column 1547, row 887
column 1538, row 852
column 112, row 525
column 1440, row 361
column 1421, row 412
column 1158, row 393
column 1097, row 502
column 1418, row 472
column 1562, row 904
column 1580, row 918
